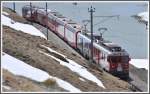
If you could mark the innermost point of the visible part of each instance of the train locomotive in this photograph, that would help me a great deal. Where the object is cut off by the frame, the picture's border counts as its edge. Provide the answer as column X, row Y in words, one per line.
column 109, row 56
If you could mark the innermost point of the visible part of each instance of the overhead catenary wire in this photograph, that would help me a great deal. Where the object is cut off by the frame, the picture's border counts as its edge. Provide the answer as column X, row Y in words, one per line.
column 106, row 19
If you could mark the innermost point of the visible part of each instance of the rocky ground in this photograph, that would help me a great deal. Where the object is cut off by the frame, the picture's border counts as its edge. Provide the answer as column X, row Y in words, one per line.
column 26, row 48
column 139, row 78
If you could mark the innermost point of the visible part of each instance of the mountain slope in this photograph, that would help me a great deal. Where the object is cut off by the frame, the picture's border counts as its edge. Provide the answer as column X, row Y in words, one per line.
column 26, row 47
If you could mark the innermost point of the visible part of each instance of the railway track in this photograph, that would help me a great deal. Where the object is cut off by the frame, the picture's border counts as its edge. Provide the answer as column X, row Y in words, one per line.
column 136, row 84
column 135, row 88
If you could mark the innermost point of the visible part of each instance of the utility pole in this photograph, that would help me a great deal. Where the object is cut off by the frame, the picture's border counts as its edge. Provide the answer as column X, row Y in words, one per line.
column 31, row 11
column 14, row 7
column 46, row 18
column 91, row 10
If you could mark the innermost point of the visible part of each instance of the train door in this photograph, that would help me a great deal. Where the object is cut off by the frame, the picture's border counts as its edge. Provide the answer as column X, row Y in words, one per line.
column 51, row 24
column 56, row 27
column 96, row 55
column 40, row 18
column 115, row 64
column 70, row 36
column 80, row 43
column 35, row 16
column 86, row 48
column 103, row 61
column 26, row 13
column 125, row 60
column 61, row 30
column 45, row 20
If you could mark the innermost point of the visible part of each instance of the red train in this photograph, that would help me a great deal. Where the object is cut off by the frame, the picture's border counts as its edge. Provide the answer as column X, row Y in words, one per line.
column 111, row 57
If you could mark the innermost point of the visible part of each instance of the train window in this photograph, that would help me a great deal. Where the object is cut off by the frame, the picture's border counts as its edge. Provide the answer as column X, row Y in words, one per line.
column 115, row 59
column 96, row 52
column 116, row 48
column 125, row 59
column 102, row 56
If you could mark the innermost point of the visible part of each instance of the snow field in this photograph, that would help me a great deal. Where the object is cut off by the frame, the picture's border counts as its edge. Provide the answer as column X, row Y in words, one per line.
column 20, row 68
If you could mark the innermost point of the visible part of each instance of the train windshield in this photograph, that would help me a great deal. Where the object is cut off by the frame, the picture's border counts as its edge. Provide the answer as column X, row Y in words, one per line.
column 118, row 59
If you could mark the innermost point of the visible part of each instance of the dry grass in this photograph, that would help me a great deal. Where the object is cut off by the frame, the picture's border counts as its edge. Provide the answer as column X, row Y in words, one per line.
column 13, row 15
column 49, row 82
column 18, row 83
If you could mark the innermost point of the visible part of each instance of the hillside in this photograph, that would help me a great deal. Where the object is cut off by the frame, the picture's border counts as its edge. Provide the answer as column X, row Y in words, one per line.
column 28, row 48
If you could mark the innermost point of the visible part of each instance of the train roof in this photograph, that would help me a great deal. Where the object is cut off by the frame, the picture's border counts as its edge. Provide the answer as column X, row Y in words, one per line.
column 65, row 19
column 43, row 9
column 37, row 8
column 94, row 34
column 110, row 44
column 96, row 45
column 71, row 22
column 107, row 47
column 57, row 14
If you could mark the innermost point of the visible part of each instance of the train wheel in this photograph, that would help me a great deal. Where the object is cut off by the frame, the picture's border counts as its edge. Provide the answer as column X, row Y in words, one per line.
column 104, row 69
column 86, row 57
column 78, row 50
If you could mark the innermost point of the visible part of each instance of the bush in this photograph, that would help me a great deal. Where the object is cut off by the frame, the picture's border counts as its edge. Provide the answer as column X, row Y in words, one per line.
column 49, row 82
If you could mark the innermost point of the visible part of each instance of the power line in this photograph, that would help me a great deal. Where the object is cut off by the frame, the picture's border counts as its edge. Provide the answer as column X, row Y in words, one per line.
column 106, row 18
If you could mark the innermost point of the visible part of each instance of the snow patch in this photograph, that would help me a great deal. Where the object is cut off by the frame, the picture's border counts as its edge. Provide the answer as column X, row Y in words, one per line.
column 5, row 13
column 66, row 85
column 6, row 87
column 82, row 79
column 140, row 63
column 83, row 72
column 144, row 16
column 20, row 68
column 51, row 50
column 26, row 28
